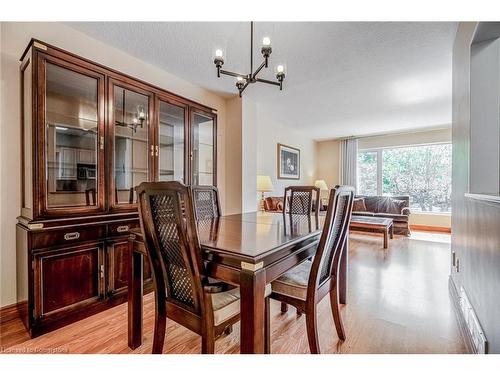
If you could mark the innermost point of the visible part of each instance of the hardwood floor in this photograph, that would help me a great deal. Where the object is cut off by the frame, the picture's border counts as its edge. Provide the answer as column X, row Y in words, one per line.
column 398, row 302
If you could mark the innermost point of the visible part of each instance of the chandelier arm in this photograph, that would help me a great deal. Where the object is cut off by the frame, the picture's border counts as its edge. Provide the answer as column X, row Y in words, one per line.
column 259, row 69
column 243, row 88
column 232, row 74
column 267, row 81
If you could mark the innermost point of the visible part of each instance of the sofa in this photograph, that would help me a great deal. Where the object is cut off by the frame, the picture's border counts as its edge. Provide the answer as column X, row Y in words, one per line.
column 275, row 204
column 396, row 208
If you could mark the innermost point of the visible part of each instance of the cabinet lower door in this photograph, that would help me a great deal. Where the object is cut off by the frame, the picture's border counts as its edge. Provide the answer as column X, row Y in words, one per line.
column 69, row 279
column 118, row 258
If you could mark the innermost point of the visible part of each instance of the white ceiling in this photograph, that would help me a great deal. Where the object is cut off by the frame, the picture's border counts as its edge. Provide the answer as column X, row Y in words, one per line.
column 343, row 78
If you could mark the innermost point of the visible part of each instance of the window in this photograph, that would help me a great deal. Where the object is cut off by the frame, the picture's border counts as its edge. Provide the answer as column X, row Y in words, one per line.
column 367, row 168
column 422, row 172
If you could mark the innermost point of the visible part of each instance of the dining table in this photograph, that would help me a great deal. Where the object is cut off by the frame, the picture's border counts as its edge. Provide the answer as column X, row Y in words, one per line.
column 248, row 250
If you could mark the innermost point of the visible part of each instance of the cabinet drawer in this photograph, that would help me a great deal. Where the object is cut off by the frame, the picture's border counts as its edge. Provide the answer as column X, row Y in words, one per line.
column 119, row 229
column 66, row 236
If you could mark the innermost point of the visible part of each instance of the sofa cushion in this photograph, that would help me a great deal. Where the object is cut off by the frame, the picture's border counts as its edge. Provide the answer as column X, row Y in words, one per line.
column 396, row 206
column 371, row 203
column 359, row 205
column 395, row 217
column 362, row 213
column 383, row 204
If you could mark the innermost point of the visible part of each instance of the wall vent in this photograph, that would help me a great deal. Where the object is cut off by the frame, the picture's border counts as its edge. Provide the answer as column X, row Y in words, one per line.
column 475, row 330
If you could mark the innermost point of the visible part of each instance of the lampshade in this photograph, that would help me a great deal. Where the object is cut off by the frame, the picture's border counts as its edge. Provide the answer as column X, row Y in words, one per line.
column 321, row 184
column 264, row 183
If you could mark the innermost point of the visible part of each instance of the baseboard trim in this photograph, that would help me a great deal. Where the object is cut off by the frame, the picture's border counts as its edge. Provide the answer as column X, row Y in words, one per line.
column 462, row 325
column 11, row 312
column 430, row 228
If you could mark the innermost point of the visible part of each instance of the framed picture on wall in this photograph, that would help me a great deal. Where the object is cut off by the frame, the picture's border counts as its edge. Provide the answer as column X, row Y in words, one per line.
column 288, row 162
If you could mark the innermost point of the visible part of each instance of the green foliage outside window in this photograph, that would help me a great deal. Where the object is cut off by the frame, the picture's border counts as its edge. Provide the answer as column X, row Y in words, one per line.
column 422, row 172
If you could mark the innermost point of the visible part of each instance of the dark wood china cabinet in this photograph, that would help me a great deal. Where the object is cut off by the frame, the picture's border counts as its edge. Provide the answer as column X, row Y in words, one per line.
column 89, row 136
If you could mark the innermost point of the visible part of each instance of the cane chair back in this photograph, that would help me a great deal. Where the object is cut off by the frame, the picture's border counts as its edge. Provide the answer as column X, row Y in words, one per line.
column 171, row 240
column 335, row 230
column 206, row 202
column 301, row 200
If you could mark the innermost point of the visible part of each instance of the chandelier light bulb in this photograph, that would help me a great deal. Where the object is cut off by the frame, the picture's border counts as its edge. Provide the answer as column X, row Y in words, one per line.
column 242, row 80
column 141, row 115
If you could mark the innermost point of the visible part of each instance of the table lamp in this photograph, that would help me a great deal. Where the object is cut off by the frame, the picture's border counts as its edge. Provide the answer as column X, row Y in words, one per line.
column 322, row 186
column 264, row 184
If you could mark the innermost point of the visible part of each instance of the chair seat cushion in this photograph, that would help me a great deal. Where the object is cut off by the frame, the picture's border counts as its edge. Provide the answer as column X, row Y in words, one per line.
column 227, row 304
column 293, row 283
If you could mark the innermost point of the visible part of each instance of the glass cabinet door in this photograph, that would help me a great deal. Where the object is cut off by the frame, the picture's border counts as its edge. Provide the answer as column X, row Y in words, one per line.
column 131, row 158
column 171, row 139
column 72, row 133
column 203, row 148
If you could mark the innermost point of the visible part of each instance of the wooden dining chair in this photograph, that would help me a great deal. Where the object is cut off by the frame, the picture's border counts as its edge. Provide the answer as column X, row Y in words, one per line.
column 301, row 200
column 206, row 202
column 182, row 291
column 305, row 285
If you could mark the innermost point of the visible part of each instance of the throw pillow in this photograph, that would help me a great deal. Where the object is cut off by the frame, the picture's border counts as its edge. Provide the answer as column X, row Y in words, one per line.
column 359, row 205
column 396, row 206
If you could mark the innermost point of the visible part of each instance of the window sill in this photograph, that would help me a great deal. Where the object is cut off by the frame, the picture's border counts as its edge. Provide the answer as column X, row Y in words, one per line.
column 430, row 213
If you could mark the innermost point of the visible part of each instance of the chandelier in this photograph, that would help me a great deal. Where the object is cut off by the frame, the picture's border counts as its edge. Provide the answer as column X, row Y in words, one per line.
column 243, row 80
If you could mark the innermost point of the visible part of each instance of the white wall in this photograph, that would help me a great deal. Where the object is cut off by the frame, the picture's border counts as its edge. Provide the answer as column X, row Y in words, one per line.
column 14, row 39
column 328, row 162
column 484, row 117
column 269, row 134
column 249, row 150
column 233, row 156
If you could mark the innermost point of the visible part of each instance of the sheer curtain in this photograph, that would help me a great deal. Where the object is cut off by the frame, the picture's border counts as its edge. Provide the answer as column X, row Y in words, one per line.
column 349, row 162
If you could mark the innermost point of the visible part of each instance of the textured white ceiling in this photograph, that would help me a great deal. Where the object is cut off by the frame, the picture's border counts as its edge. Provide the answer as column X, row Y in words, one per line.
column 343, row 78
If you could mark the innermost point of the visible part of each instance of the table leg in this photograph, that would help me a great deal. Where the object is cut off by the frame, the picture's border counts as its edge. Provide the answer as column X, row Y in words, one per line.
column 391, row 231
column 386, row 235
column 342, row 279
column 252, row 290
column 135, row 291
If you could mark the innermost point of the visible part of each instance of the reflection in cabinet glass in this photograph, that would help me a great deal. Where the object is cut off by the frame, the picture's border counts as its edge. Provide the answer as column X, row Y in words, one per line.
column 171, row 142
column 131, row 143
column 71, row 129
column 202, row 128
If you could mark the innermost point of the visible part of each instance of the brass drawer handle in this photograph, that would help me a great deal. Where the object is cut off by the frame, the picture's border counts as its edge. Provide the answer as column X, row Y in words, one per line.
column 122, row 228
column 72, row 236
